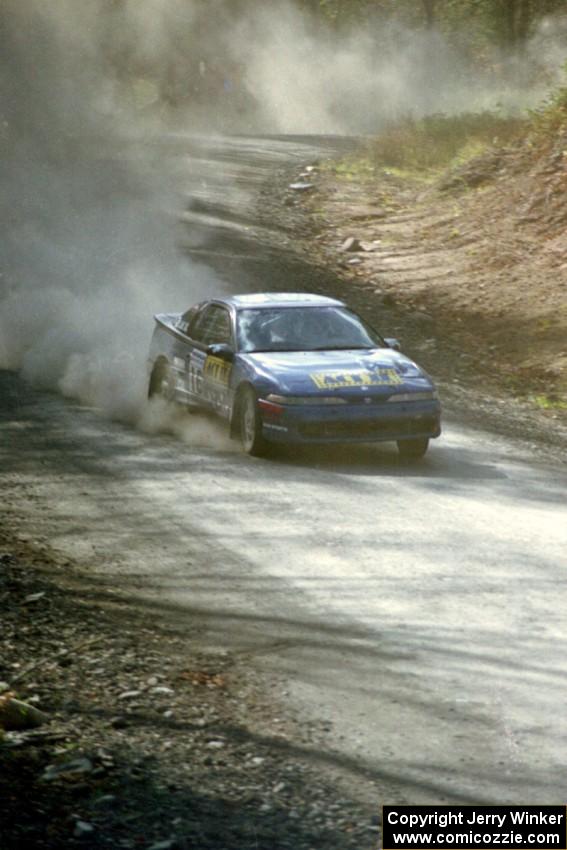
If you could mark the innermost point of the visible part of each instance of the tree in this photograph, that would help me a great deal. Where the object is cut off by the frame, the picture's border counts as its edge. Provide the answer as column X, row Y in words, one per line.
column 510, row 23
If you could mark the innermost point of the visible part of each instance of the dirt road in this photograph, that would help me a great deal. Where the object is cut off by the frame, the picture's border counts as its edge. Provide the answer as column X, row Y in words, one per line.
column 419, row 612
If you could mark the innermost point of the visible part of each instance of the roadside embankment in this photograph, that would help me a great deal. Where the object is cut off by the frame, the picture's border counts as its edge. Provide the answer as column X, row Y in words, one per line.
column 470, row 269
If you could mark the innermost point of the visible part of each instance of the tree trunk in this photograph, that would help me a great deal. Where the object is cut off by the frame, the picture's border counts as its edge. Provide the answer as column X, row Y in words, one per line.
column 516, row 19
column 523, row 22
column 429, row 9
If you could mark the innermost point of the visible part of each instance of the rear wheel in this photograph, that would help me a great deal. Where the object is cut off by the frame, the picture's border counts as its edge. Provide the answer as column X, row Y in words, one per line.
column 413, row 449
column 161, row 385
column 250, row 424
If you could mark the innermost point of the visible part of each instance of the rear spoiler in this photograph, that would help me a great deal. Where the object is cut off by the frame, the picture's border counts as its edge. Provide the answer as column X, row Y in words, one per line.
column 168, row 321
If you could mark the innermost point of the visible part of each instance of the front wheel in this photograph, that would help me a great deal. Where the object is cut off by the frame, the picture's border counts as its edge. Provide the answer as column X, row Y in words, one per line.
column 413, row 449
column 250, row 424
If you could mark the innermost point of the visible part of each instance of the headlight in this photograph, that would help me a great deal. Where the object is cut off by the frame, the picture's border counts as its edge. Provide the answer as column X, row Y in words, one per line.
column 298, row 399
column 408, row 369
column 423, row 396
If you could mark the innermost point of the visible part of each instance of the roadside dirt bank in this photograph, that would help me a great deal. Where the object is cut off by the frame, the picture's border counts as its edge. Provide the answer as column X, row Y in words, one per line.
column 149, row 743
column 470, row 273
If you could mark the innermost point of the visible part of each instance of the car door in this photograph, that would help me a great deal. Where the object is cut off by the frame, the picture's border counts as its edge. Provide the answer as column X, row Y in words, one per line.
column 208, row 376
column 191, row 363
column 180, row 346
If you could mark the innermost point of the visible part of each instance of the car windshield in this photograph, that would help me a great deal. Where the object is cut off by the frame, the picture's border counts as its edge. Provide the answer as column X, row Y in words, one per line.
column 303, row 329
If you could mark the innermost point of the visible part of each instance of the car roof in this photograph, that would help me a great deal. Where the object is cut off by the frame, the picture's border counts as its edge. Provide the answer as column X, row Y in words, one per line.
column 280, row 299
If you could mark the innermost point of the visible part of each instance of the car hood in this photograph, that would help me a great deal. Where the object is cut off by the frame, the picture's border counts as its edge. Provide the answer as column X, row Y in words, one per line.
column 313, row 372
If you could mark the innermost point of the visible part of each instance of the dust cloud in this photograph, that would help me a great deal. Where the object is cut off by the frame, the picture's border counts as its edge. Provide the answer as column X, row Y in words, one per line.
column 89, row 212
column 200, row 429
column 90, row 203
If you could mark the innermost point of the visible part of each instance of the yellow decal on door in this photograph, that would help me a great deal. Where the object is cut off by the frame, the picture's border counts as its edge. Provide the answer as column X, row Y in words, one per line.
column 217, row 370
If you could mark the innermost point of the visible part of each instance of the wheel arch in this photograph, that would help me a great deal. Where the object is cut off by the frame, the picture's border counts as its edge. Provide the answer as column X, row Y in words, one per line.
column 158, row 372
column 235, row 415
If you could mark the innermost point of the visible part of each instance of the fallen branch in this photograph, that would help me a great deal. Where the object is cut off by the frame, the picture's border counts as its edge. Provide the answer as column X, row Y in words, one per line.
column 16, row 715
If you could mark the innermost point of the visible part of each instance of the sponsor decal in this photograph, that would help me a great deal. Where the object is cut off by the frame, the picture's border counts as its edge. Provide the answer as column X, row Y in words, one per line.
column 337, row 379
column 217, row 370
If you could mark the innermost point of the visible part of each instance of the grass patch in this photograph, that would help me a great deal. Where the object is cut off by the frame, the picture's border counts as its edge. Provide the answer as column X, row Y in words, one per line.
column 546, row 402
column 438, row 141
column 357, row 168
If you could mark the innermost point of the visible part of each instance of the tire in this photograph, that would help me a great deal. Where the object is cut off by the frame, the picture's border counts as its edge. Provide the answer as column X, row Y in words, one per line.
column 250, row 424
column 160, row 385
column 413, row 449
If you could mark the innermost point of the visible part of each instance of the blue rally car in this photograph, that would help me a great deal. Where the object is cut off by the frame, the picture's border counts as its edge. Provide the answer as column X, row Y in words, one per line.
column 293, row 368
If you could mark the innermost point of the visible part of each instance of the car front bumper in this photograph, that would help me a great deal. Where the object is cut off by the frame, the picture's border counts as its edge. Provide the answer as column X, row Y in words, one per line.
column 353, row 423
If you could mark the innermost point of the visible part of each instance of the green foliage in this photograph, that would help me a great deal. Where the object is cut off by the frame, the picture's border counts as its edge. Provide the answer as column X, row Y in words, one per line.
column 506, row 23
column 552, row 115
column 438, row 141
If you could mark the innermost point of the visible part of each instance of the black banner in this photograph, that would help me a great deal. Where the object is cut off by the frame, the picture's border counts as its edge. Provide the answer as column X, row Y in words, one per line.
column 468, row 827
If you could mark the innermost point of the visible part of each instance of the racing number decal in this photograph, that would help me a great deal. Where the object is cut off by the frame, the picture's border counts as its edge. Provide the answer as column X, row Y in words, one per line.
column 194, row 374
column 359, row 378
column 208, row 379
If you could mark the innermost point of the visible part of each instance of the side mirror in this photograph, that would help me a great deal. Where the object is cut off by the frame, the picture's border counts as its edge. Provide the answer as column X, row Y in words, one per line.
column 392, row 342
column 221, row 350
